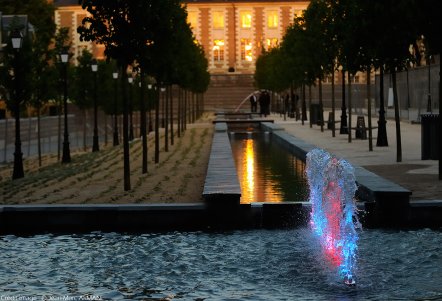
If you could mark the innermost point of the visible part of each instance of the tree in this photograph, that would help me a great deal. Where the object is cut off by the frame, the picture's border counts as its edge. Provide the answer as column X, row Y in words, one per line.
column 297, row 48
column 105, row 91
column 110, row 24
column 33, row 58
column 82, row 87
column 396, row 32
column 135, row 33
column 45, row 90
column 270, row 72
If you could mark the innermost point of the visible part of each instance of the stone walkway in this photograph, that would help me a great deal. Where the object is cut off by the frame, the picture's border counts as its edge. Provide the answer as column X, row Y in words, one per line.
column 419, row 176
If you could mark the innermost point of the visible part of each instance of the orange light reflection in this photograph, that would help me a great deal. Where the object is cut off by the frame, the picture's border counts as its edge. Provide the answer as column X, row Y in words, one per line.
column 250, row 166
column 256, row 186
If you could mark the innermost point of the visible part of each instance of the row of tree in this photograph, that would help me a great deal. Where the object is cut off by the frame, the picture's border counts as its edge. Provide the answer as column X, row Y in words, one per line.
column 153, row 38
column 352, row 36
column 147, row 40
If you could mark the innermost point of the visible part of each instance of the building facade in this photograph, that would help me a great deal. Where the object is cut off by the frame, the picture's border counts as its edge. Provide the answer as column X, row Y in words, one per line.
column 232, row 33
column 70, row 15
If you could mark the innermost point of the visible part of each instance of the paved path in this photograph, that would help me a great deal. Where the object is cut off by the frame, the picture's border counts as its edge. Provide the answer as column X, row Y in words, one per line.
column 420, row 176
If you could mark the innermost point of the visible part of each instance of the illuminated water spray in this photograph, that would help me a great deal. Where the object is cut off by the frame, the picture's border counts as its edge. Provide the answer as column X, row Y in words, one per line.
column 333, row 216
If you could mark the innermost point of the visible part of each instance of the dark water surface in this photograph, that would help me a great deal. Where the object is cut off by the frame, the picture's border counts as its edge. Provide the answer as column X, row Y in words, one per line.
column 267, row 172
column 240, row 265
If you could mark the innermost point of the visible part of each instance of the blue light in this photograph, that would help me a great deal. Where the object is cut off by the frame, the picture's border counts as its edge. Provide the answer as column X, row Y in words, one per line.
column 333, row 217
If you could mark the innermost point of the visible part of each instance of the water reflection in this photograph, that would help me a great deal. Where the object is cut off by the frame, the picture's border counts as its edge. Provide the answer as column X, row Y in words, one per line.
column 250, row 164
column 267, row 172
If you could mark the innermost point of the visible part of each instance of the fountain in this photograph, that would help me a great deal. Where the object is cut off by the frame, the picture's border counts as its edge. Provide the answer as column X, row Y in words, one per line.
column 333, row 216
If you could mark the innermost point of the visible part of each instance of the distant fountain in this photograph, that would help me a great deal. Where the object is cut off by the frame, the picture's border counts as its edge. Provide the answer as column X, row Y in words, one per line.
column 333, row 217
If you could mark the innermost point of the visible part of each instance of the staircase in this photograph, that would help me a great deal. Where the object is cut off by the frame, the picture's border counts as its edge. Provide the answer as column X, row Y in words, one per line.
column 227, row 91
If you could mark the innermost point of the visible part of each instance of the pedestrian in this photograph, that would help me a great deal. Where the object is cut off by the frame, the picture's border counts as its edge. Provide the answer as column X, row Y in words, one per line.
column 253, row 103
column 264, row 102
column 287, row 104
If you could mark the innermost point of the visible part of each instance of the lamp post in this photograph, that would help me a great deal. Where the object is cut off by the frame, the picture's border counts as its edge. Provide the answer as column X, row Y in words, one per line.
column 95, row 145
column 66, row 157
column 382, row 122
column 130, row 80
column 18, row 172
column 116, row 140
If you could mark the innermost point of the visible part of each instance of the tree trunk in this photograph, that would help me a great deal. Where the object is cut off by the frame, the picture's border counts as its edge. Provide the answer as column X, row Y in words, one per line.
column 321, row 106
column 397, row 117
column 370, row 132
column 304, row 108
column 5, row 155
column 344, row 127
column 157, row 125
column 59, row 133
column 310, row 104
column 179, row 112
column 125, row 129
column 105, row 129
column 143, row 124
column 333, row 103
column 38, row 135
column 131, row 113
column 171, row 115
column 194, row 108
column 185, row 111
column 84, row 129
column 166, row 118
column 349, row 107
column 29, row 132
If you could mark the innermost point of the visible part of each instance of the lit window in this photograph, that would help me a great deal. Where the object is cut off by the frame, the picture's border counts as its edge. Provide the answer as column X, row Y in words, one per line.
column 246, row 19
column 218, row 50
column 272, row 19
column 218, row 19
column 246, row 50
column 272, row 43
column 192, row 19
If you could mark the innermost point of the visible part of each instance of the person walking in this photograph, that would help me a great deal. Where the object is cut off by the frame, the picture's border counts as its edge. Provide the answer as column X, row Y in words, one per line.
column 253, row 103
column 264, row 103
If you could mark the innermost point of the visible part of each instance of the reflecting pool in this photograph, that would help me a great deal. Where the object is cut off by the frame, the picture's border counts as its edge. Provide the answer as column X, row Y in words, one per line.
column 267, row 172
column 240, row 265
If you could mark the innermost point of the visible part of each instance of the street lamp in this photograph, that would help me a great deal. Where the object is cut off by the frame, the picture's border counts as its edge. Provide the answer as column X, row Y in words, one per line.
column 95, row 145
column 16, row 41
column 130, row 80
column 64, row 58
column 115, row 77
